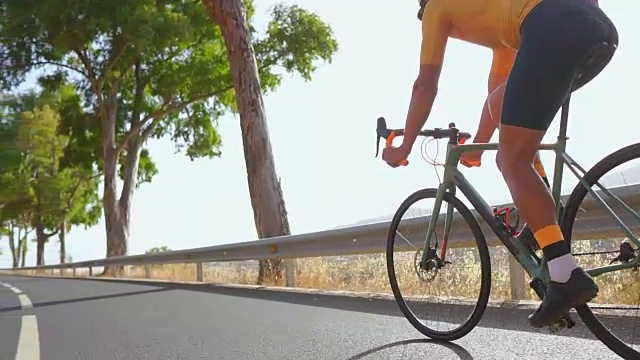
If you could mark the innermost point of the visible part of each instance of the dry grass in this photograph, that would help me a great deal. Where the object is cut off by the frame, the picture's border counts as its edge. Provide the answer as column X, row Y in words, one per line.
column 368, row 273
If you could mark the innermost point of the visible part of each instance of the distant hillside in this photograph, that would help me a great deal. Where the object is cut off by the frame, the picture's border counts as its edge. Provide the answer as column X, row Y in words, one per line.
column 626, row 175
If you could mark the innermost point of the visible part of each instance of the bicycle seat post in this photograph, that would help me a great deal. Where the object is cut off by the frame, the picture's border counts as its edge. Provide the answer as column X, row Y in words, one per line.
column 564, row 119
column 561, row 146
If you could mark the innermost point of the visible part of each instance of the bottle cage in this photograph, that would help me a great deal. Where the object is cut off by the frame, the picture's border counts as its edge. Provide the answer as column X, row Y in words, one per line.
column 504, row 214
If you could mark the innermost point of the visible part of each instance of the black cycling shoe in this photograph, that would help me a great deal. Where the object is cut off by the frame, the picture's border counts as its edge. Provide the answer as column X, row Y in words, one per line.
column 562, row 297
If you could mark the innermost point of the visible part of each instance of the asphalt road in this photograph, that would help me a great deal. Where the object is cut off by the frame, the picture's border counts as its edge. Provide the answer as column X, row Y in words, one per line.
column 100, row 319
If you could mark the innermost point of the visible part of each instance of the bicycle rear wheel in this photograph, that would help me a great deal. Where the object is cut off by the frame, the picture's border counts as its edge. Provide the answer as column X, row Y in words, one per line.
column 456, row 253
column 604, row 244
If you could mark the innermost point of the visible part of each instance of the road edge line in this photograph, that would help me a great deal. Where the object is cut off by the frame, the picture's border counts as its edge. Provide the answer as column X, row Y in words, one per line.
column 29, row 337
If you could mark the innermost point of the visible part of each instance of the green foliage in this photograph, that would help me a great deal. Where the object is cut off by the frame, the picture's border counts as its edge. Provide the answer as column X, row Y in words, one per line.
column 16, row 193
column 40, row 186
column 42, row 149
column 295, row 39
column 157, row 249
column 76, row 121
column 165, row 59
column 139, row 69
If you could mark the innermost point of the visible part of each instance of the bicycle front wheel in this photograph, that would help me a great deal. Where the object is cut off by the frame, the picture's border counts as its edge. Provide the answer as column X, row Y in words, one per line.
column 459, row 265
column 611, row 315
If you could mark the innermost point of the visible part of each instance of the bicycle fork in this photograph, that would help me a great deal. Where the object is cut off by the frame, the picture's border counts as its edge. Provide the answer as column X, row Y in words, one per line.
column 428, row 252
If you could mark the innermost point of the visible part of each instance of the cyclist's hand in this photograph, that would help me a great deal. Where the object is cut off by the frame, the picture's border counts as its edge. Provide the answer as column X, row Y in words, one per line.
column 393, row 155
column 471, row 158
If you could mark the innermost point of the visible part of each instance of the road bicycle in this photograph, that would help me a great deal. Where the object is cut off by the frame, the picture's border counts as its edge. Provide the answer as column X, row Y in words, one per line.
column 429, row 259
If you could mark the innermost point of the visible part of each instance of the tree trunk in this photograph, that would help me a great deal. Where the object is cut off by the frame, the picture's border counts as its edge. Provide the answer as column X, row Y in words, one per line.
column 41, row 240
column 117, row 210
column 15, row 255
column 62, row 233
column 269, row 211
column 61, row 236
column 116, row 228
column 22, row 234
column 23, row 250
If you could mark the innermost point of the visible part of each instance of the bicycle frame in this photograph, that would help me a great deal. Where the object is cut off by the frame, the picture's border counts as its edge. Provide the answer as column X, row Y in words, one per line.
column 453, row 179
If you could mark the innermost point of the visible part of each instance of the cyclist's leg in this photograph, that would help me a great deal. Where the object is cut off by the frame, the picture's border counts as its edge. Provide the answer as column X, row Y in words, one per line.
column 495, row 111
column 494, row 101
column 555, row 37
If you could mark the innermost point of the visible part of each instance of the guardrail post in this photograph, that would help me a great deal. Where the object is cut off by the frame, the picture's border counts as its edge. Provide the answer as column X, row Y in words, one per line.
column 199, row 272
column 290, row 272
column 90, row 271
column 147, row 271
column 73, row 271
column 516, row 278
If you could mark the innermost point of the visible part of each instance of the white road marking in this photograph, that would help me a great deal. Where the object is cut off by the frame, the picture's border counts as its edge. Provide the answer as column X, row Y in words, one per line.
column 29, row 340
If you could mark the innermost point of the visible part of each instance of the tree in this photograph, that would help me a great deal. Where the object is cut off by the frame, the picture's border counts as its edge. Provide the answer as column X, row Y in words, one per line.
column 19, row 229
column 16, row 197
column 42, row 190
column 42, row 147
column 157, row 249
column 80, row 203
column 299, row 27
column 149, row 69
column 16, row 229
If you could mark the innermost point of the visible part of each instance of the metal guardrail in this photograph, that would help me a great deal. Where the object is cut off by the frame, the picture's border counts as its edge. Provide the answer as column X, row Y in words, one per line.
column 363, row 239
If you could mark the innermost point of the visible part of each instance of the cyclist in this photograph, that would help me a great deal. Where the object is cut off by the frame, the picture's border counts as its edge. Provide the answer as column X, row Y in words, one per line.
column 551, row 38
column 503, row 59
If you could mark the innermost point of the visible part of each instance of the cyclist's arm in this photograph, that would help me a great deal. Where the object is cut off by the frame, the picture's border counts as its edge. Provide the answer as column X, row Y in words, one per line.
column 435, row 33
column 500, row 68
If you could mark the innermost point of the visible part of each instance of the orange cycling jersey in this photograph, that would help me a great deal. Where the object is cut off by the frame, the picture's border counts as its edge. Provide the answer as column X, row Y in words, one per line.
column 491, row 23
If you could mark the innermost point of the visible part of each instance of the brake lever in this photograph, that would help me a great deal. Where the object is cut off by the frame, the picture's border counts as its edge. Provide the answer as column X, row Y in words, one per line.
column 386, row 134
column 381, row 132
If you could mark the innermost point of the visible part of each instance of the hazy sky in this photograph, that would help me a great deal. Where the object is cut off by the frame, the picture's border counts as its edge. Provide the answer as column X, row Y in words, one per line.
column 328, row 182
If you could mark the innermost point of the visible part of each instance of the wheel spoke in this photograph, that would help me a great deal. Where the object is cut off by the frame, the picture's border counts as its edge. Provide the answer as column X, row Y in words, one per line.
column 418, row 288
column 611, row 317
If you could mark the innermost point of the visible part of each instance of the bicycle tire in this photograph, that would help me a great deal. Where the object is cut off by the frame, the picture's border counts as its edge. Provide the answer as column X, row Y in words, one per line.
column 485, row 264
column 578, row 194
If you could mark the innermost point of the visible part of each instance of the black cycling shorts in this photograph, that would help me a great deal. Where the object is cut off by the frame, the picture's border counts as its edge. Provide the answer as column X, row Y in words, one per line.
column 555, row 38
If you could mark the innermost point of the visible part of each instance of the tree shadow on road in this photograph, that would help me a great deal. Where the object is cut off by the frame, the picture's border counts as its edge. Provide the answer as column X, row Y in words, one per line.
column 82, row 299
column 460, row 352
column 21, row 280
column 505, row 318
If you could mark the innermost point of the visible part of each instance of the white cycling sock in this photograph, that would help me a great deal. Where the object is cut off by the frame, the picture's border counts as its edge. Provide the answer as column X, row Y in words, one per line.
column 561, row 267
